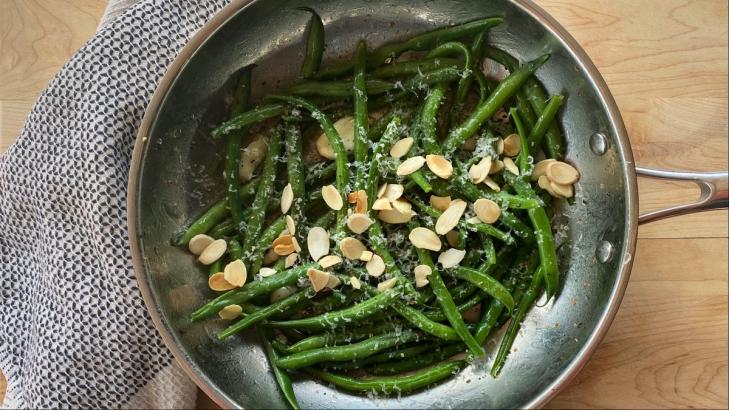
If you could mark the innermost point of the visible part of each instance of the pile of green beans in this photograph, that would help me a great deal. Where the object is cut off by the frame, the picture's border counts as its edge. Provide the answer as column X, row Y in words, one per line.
column 357, row 333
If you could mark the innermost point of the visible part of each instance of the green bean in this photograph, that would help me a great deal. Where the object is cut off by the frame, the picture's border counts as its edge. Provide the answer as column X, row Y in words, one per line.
column 517, row 227
column 484, row 111
column 317, row 175
column 252, row 290
column 345, row 353
column 418, row 83
column 214, row 215
column 402, row 366
column 264, row 242
column 472, row 192
column 391, row 384
column 332, row 338
column 402, row 68
column 232, row 151
column 351, row 314
column 314, row 44
column 473, row 300
column 361, row 117
column 545, row 121
column 263, row 194
column 429, row 119
column 379, row 246
column 340, row 89
column 486, row 283
column 295, row 171
column 282, row 378
column 215, row 267
column 235, row 250
column 244, row 119
column 530, row 296
column 525, row 109
column 223, row 229
column 522, row 159
column 276, row 307
column 465, row 84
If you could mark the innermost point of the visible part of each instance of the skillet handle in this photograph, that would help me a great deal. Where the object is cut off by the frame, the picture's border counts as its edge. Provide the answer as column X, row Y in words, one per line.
column 714, row 192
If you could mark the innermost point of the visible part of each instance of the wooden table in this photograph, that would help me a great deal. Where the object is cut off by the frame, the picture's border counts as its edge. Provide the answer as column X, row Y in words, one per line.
column 666, row 64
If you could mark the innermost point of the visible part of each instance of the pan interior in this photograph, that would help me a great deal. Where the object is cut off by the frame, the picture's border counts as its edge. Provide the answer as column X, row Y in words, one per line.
column 180, row 178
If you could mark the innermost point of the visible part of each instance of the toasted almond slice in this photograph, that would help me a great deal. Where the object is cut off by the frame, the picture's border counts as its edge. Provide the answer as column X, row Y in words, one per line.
column 354, row 282
column 381, row 204
column 492, row 184
column 295, row 242
column 270, row 257
column 287, row 198
column 564, row 190
column 381, row 190
column 290, row 225
column 329, row 261
column 332, row 197
column 450, row 217
column 388, row 284
column 358, row 223
column 230, row 312
column 333, row 282
column 317, row 242
column 496, row 166
column 376, row 266
column 440, row 203
column 285, row 239
column 562, row 173
column 291, row 260
column 351, row 248
column 499, row 146
column 402, row 206
column 511, row 166
column 545, row 183
column 198, row 243
column 439, row 165
column 393, row 191
column 486, row 163
column 218, row 283
column 486, row 210
column 400, row 148
column 213, row 252
column 473, row 220
column 366, row 256
column 410, row 165
column 452, row 237
column 236, row 273
column 512, row 145
column 393, row 216
column 452, row 257
column 345, row 129
column 252, row 156
column 361, row 202
column 281, row 293
column 424, row 238
column 477, row 173
column 352, row 197
column 266, row 272
column 540, row 168
column 318, row 278
column 284, row 250
column 421, row 273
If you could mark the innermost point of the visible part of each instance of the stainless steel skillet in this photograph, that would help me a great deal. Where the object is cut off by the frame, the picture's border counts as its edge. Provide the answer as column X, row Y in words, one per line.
column 171, row 182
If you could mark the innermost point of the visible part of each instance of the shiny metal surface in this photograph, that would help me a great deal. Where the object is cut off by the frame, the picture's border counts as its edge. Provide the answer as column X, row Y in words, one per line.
column 172, row 180
column 714, row 192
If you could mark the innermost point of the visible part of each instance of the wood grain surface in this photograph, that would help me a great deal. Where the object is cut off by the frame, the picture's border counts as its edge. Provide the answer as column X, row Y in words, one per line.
column 666, row 63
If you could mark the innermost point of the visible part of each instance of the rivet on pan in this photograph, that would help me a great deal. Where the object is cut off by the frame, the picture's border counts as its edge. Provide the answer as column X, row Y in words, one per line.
column 599, row 143
column 604, row 251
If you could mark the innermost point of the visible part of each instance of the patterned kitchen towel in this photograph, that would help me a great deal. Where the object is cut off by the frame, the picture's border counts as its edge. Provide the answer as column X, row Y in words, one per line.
column 74, row 331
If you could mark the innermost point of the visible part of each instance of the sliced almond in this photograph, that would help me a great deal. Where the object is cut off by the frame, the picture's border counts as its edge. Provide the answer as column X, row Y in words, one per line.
column 473, row 220
column 485, row 163
column 213, row 252
column 453, row 237
column 291, row 260
column 317, row 242
column 296, row 245
column 283, row 245
column 496, row 166
column 230, row 312
column 352, row 197
column 351, row 248
column 290, row 225
column 381, row 190
column 540, row 168
column 511, row 166
column 270, row 257
column 402, row 206
column 477, row 173
column 452, row 257
column 318, row 279
column 440, row 203
column 332, row 197
column 562, row 173
column 198, row 243
column 329, row 261
column 345, row 129
column 400, row 148
column 376, row 266
column 251, row 157
column 360, row 199
column 563, row 190
column 424, row 238
column 236, row 273
column 499, row 146
column 333, row 282
column 410, row 165
column 450, row 217
column 393, row 216
column 421, row 273
column 512, row 145
column 358, row 223
column 393, row 191
column 266, row 272
column 439, row 165
column 366, row 256
column 492, row 184
column 381, row 204
column 218, row 283
column 354, row 282
column 486, row 210
column 281, row 293
column 287, row 198
column 388, row 284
